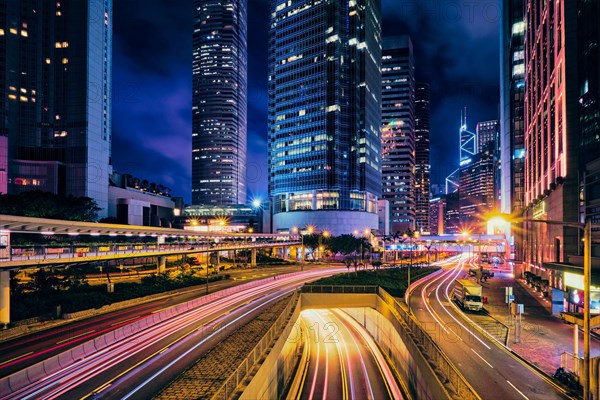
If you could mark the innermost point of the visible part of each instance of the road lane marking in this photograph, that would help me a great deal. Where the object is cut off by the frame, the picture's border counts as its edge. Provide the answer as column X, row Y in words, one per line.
column 483, row 359
column 75, row 337
column 514, row 387
column 16, row 358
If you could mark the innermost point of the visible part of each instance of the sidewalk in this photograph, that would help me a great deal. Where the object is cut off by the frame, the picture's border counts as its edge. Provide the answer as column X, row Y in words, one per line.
column 544, row 337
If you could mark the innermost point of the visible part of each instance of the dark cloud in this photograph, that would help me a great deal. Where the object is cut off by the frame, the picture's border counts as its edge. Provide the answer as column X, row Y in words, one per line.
column 456, row 51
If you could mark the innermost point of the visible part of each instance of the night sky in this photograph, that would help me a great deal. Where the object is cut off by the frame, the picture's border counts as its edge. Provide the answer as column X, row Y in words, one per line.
column 456, row 51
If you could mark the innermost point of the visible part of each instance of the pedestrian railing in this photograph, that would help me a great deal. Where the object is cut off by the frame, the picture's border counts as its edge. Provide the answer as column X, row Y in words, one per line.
column 46, row 253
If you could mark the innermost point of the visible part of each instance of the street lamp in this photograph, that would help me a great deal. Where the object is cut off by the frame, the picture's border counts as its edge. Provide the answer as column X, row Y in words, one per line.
column 412, row 235
column 310, row 231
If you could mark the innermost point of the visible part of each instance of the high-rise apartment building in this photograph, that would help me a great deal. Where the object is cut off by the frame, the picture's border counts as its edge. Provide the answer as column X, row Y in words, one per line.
column 398, row 131
column 55, row 97
column 512, row 97
column 325, row 114
column 219, row 102
column 422, row 160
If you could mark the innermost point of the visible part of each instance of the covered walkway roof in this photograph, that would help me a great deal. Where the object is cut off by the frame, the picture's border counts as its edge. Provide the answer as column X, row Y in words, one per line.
column 16, row 224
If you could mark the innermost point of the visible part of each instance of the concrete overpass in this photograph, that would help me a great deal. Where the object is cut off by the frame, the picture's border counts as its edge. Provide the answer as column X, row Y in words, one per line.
column 187, row 242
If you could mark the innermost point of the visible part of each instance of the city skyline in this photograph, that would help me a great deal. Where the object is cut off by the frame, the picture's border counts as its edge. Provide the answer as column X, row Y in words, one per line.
column 152, row 95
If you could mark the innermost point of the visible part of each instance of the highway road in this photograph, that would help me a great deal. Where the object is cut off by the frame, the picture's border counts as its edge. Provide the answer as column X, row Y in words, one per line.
column 27, row 350
column 343, row 362
column 140, row 366
column 492, row 371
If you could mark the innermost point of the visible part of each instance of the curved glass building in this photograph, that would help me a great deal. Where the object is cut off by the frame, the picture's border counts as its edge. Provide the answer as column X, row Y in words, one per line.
column 325, row 114
column 219, row 102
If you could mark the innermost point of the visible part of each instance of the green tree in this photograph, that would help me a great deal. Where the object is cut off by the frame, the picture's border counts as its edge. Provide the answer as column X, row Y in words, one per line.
column 38, row 204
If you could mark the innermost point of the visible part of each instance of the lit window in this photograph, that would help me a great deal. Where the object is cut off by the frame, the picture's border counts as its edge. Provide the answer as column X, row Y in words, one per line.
column 13, row 31
column 65, row 60
column 12, row 96
column 47, row 61
column 1, row 32
column 24, row 33
column 24, row 99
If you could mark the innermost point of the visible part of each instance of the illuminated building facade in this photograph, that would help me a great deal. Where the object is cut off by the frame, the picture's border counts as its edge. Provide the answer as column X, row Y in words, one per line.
column 219, row 102
column 398, row 131
column 437, row 209
column 422, row 160
column 487, row 132
column 552, row 174
column 477, row 188
column 55, row 97
column 325, row 114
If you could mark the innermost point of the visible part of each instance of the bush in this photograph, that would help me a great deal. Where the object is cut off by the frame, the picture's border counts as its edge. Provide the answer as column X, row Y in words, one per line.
column 394, row 281
column 84, row 297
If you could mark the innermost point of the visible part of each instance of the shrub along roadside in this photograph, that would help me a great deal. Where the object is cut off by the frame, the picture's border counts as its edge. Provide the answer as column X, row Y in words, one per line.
column 84, row 297
column 393, row 280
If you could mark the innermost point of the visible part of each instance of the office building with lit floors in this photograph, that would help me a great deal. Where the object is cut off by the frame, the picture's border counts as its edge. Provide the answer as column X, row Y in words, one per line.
column 398, row 131
column 325, row 114
column 55, row 97
column 476, row 191
column 219, row 102
column 422, row 159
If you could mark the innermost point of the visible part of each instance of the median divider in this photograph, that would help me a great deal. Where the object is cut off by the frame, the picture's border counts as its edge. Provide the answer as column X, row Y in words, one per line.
column 33, row 374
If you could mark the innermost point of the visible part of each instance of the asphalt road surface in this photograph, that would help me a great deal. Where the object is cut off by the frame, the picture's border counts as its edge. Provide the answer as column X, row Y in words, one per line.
column 344, row 362
column 28, row 350
column 490, row 369
column 141, row 365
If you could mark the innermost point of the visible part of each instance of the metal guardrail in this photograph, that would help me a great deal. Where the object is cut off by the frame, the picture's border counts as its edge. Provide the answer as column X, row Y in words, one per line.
column 339, row 289
column 231, row 384
column 570, row 362
column 440, row 363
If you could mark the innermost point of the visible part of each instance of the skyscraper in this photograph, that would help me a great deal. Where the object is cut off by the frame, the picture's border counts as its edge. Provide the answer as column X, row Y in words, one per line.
column 423, row 163
column 325, row 114
column 398, row 131
column 219, row 102
column 512, row 96
column 487, row 132
column 552, row 145
column 476, row 192
column 55, row 96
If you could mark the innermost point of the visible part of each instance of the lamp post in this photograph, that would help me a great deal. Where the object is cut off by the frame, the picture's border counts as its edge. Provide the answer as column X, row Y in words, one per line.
column 412, row 235
column 310, row 231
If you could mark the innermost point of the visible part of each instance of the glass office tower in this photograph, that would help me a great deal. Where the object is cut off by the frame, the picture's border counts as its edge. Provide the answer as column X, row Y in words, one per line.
column 219, row 102
column 398, row 131
column 325, row 114
column 422, row 159
column 55, row 97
